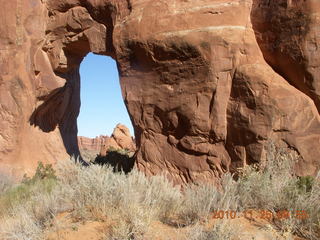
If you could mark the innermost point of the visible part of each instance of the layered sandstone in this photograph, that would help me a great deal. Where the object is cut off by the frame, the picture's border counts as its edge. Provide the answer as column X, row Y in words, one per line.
column 208, row 84
column 91, row 144
column 120, row 139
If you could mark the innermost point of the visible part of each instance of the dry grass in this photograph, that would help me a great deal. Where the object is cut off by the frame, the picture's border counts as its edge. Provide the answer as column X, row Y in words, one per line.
column 222, row 230
column 276, row 188
column 28, row 215
column 89, row 155
column 198, row 202
column 20, row 225
column 6, row 182
column 133, row 201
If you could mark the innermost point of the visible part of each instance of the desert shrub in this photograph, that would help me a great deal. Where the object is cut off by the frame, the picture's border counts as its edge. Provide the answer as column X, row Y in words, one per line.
column 6, row 182
column 125, row 230
column 20, row 226
column 199, row 201
column 96, row 191
column 112, row 149
column 269, row 187
column 123, row 151
column 42, row 172
column 137, row 200
column 308, row 201
column 42, row 182
column 25, row 208
column 118, row 159
column 21, row 193
column 275, row 187
column 305, row 183
column 29, row 215
column 163, row 198
column 222, row 230
column 132, row 201
column 155, row 194
column 88, row 155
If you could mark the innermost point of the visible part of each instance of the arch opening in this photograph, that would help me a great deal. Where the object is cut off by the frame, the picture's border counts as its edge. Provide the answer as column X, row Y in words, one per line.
column 103, row 123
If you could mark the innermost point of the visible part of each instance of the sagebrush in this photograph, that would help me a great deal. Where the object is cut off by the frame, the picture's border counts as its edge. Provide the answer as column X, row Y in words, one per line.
column 134, row 201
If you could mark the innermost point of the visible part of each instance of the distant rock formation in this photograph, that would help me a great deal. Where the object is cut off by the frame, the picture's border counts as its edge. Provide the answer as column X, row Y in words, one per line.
column 91, row 144
column 120, row 139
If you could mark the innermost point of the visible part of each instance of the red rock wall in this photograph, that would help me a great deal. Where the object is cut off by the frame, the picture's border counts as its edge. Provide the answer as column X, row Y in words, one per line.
column 22, row 34
column 208, row 84
column 288, row 35
column 91, row 144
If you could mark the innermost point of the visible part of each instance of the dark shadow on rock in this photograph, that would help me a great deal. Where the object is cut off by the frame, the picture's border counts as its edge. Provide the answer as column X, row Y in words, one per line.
column 60, row 109
column 48, row 115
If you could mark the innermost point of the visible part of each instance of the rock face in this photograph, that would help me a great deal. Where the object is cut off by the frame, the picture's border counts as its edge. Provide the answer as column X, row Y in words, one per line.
column 208, row 84
column 120, row 139
column 288, row 35
column 91, row 144
column 26, row 79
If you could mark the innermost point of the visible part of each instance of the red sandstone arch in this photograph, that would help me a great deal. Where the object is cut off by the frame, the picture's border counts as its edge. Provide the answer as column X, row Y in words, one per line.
column 201, row 97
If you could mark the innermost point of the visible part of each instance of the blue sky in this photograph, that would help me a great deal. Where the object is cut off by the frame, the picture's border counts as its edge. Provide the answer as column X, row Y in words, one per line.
column 102, row 106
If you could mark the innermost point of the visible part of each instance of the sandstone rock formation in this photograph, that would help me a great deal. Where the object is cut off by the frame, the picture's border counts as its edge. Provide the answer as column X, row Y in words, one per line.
column 91, row 144
column 208, row 84
column 288, row 35
column 120, row 139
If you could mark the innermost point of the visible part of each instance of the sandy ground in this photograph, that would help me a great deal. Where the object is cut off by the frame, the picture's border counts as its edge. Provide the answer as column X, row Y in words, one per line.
column 66, row 228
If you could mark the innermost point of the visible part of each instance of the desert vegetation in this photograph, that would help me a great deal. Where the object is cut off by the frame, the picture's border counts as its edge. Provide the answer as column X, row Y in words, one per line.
column 119, row 159
column 131, row 202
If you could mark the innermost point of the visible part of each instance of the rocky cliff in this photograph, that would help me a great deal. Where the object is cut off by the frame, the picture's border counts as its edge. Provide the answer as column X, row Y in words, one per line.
column 208, row 84
column 120, row 139
column 91, row 144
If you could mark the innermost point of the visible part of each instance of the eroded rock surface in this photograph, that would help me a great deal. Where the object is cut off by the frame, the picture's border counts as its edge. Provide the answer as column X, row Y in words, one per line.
column 120, row 139
column 208, row 84
column 91, row 144
column 288, row 34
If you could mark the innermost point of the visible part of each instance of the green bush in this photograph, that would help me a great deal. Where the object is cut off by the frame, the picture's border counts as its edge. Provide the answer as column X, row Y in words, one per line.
column 44, row 172
column 43, row 181
column 305, row 183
